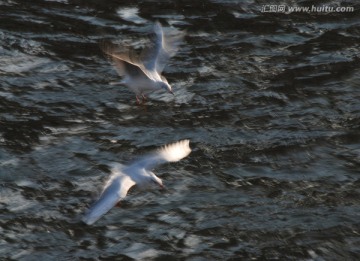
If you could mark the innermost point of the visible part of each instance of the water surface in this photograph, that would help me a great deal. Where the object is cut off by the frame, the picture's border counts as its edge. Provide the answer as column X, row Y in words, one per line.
column 270, row 102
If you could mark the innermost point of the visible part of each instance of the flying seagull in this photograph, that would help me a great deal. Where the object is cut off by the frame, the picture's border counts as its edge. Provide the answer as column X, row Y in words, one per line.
column 139, row 173
column 142, row 72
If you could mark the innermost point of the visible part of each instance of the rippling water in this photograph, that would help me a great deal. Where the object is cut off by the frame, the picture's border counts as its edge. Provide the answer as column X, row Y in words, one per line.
column 270, row 102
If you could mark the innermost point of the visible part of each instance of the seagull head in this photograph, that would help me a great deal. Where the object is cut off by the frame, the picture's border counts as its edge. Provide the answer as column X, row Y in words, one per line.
column 156, row 180
column 166, row 86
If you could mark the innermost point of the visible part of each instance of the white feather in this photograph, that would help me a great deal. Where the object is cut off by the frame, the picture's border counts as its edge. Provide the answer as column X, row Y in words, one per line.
column 138, row 173
column 115, row 190
column 169, row 153
column 142, row 73
column 176, row 151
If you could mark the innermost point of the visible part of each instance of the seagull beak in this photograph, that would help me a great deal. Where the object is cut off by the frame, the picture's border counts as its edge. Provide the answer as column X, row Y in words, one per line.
column 172, row 92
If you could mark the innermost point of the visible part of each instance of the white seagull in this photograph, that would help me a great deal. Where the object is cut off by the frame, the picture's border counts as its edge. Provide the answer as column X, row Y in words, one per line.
column 139, row 173
column 142, row 72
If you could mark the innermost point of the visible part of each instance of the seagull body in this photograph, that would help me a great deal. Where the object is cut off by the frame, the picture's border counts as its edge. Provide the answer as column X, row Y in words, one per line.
column 142, row 73
column 139, row 173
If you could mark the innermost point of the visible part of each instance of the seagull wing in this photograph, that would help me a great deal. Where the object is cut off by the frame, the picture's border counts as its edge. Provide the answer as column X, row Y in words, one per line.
column 169, row 153
column 161, row 48
column 115, row 190
column 125, row 60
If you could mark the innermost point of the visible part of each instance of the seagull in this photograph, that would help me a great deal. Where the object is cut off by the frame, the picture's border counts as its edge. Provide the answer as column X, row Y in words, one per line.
column 142, row 72
column 138, row 173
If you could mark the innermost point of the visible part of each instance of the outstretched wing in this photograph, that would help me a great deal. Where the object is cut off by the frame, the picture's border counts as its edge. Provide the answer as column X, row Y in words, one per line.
column 169, row 153
column 125, row 60
column 115, row 189
column 161, row 48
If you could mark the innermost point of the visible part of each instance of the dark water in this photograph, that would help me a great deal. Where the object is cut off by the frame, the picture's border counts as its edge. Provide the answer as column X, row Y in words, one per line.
column 270, row 102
